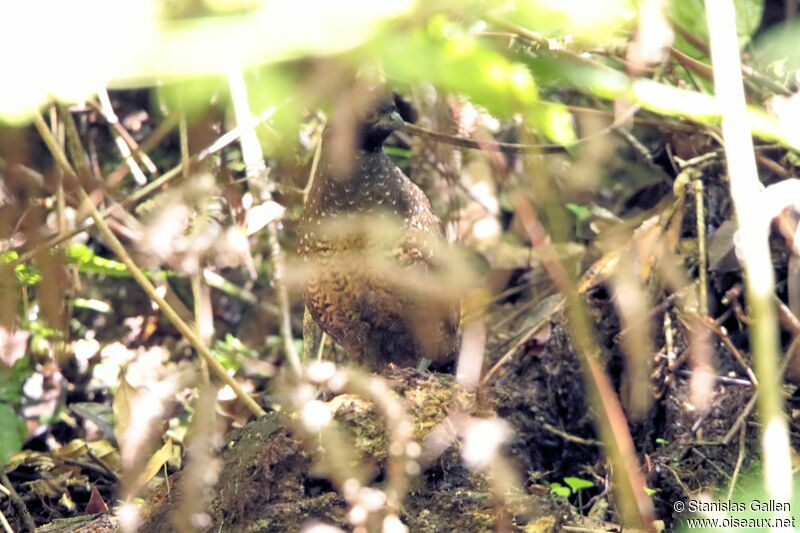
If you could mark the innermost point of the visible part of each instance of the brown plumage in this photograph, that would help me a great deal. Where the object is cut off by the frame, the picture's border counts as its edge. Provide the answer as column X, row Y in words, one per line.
column 374, row 294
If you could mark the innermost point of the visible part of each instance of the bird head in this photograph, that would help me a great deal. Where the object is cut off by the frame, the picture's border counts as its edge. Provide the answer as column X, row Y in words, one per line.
column 379, row 123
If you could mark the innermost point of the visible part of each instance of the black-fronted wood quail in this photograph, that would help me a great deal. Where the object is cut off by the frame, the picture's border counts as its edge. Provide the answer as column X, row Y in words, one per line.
column 375, row 296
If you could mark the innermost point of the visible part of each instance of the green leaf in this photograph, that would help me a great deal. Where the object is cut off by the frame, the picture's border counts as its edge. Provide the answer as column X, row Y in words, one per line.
column 586, row 22
column 578, row 484
column 79, row 255
column 93, row 304
column 191, row 95
column 557, row 72
column 122, row 408
column 560, row 490
column 26, row 274
column 778, row 49
column 10, row 436
column 691, row 16
column 581, row 212
column 554, row 121
column 11, row 381
column 395, row 151
column 273, row 93
column 444, row 54
column 99, row 413
column 90, row 263
column 231, row 352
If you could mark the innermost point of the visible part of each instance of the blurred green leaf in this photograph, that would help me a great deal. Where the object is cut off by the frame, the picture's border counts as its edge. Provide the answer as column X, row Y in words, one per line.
column 394, row 151
column 443, row 53
column 755, row 503
column 582, row 21
column 653, row 96
column 581, row 212
column 11, row 381
column 275, row 91
column 555, row 71
column 231, row 352
column 149, row 48
column 40, row 329
column 578, row 484
column 99, row 413
column 192, row 94
column 560, row 490
column 554, row 121
column 691, row 16
column 93, row 304
column 26, row 274
column 90, row 263
column 777, row 50
column 669, row 100
column 10, row 436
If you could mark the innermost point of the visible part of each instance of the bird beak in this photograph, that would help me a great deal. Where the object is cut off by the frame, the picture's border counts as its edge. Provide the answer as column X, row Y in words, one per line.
column 392, row 121
column 396, row 119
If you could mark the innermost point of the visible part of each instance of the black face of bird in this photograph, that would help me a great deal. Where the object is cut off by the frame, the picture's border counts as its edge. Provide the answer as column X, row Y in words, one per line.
column 379, row 124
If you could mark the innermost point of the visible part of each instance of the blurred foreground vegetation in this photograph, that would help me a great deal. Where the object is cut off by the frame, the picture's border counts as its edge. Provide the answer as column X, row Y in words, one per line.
column 154, row 159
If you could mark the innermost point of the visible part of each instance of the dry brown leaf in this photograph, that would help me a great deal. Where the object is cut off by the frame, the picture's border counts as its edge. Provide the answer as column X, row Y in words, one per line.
column 122, row 409
column 152, row 467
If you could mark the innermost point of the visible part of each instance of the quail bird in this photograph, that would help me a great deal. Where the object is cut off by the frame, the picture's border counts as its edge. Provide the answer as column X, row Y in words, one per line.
column 377, row 314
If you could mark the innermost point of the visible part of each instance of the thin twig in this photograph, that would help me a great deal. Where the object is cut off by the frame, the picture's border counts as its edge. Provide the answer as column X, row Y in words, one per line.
column 746, row 412
column 155, row 138
column 721, row 379
column 255, row 169
column 570, row 437
column 201, row 302
column 739, row 461
column 749, row 72
column 702, row 263
column 6, row 525
column 151, row 187
column 636, row 507
column 118, row 249
column 748, row 409
column 542, row 315
column 312, row 173
column 120, row 140
column 15, row 499
column 487, row 146
column 691, row 64
column 94, row 457
column 89, row 466
column 711, row 463
column 107, row 111
column 720, row 332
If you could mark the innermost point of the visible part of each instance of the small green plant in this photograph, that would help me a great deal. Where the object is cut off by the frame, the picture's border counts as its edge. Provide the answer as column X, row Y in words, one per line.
column 560, row 490
column 232, row 353
column 572, row 485
column 11, row 381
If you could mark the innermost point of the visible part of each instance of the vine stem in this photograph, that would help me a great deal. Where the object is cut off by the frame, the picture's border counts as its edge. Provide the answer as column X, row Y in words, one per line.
column 754, row 219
